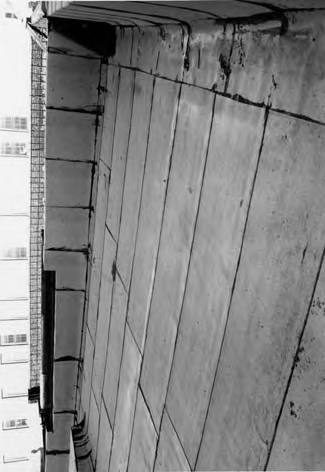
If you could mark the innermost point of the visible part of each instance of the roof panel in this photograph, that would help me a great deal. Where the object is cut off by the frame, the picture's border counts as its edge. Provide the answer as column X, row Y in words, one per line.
column 147, row 12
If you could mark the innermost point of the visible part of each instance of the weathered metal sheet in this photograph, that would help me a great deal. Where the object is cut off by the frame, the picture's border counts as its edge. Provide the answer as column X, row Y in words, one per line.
column 135, row 167
column 93, row 422
column 104, row 441
column 65, row 377
column 111, row 96
column 67, row 228
column 160, row 51
column 53, row 6
column 251, row 63
column 120, row 148
column 144, row 439
column 100, row 195
column 188, row 163
column 86, row 371
column 70, row 135
column 62, row 177
column 97, row 247
column 123, row 52
column 233, row 155
column 265, row 63
column 70, row 268
column 68, row 312
column 299, row 60
column 110, row 17
column 160, row 13
column 170, row 456
column 154, row 188
column 104, row 305
column 80, row 89
column 208, row 54
column 129, row 375
column 296, row 4
column 300, row 436
column 57, row 463
column 72, row 455
column 62, row 424
column 115, row 347
column 281, row 253
column 60, row 44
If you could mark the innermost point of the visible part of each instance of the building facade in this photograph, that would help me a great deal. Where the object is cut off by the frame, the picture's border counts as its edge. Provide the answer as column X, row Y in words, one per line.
column 20, row 429
column 20, row 424
column 185, row 181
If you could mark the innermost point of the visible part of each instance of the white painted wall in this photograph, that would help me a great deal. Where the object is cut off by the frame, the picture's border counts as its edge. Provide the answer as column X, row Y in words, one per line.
column 14, row 232
column 13, row 309
column 14, row 274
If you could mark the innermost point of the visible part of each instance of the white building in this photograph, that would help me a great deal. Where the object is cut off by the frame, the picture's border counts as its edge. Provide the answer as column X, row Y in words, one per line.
column 20, row 429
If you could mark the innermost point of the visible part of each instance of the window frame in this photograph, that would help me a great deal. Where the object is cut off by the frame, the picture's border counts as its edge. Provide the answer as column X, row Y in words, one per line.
column 14, row 343
column 15, row 361
column 6, row 459
column 14, row 253
column 13, row 395
column 14, row 123
column 12, row 149
column 6, row 427
column 13, row 317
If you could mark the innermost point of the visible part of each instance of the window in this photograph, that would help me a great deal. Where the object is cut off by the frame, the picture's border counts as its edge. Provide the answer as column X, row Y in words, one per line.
column 15, row 424
column 13, row 123
column 13, row 339
column 10, row 317
column 15, row 253
column 10, row 15
column 13, row 309
column 11, row 393
column 13, row 358
column 15, row 149
column 7, row 459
